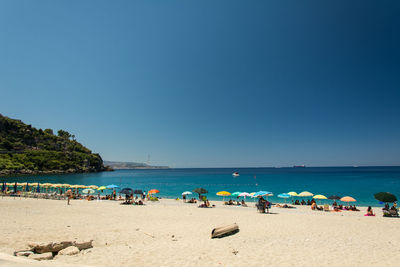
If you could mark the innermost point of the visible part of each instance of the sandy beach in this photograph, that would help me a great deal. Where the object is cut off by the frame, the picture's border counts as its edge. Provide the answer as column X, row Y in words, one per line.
column 172, row 233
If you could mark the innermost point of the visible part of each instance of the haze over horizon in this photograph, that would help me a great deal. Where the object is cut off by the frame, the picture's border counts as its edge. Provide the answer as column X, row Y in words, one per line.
column 210, row 83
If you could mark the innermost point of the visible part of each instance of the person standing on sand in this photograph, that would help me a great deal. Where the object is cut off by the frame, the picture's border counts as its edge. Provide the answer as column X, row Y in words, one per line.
column 69, row 195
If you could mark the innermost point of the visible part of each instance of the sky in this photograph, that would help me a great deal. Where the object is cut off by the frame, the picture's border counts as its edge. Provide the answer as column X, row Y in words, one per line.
column 209, row 83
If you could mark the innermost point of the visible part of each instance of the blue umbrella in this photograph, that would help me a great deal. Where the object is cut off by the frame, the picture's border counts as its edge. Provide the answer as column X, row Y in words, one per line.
column 38, row 188
column 111, row 186
column 3, row 188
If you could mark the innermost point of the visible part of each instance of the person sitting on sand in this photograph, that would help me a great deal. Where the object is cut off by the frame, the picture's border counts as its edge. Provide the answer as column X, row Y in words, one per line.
column 238, row 203
column 303, row 202
column 313, row 206
column 386, row 207
column 208, row 203
column 334, row 204
column 310, row 202
column 297, row 202
column 369, row 212
column 230, row 202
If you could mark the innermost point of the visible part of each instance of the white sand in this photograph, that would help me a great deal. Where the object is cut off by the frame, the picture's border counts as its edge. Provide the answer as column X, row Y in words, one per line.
column 142, row 235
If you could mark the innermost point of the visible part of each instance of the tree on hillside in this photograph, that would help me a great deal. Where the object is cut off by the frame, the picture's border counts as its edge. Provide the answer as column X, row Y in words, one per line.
column 64, row 134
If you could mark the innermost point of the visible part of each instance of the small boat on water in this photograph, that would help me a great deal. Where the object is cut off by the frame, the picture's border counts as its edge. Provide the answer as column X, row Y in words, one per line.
column 235, row 174
column 299, row 166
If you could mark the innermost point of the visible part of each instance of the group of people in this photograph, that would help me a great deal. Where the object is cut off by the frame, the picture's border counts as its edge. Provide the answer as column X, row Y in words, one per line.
column 236, row 203
column 392, row 211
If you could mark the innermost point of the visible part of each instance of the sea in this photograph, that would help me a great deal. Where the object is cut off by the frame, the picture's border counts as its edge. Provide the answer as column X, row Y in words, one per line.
column 360, row 183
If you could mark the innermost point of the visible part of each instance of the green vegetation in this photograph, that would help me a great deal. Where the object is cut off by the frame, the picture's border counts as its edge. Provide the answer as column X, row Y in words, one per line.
column 25, row 149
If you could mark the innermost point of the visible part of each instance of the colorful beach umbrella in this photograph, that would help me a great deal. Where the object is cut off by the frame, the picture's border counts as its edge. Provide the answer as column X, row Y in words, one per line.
column 101, row 188
column 244, row 194
column 186, row 193
column 347, row 199
column 284, row 195
column 293, row 194
column 306, row 194
column 93, row 186
column 154, row 191
column 235, row 194
column 111, row 186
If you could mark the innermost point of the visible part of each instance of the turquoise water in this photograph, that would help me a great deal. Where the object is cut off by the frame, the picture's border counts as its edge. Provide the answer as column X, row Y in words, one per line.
column 360, row 183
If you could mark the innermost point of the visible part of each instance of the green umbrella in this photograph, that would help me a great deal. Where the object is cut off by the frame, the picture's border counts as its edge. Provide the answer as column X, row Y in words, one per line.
column 235, row 194
column 385, row 197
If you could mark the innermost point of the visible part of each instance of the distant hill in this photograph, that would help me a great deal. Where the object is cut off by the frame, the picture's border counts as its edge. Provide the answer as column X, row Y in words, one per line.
column 131, row 165
column 27, row 150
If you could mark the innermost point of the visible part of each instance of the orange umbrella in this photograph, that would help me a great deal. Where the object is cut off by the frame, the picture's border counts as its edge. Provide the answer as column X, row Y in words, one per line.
column 154, row 191
column 347, row 199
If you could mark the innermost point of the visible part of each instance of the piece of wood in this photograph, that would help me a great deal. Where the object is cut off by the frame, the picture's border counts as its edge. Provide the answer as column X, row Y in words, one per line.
column 224, row 230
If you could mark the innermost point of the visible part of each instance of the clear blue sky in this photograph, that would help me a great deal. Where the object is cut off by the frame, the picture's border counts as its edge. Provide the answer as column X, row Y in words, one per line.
column 209, row 83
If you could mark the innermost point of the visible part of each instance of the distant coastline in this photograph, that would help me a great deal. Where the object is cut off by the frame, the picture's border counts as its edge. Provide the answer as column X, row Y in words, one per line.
column 119, row 165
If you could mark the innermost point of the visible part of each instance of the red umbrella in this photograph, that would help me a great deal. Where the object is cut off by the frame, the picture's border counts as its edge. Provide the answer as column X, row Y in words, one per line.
column 154, row 191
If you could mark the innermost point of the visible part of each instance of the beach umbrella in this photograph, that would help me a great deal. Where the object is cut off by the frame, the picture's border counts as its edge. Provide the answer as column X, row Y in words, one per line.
column 334, row 197
column 154, row 191
column 138, row 192
column 126, row 191
column 200, row 191
column 306, row 194
column 88, row 191
column 284, row 196
column 262, row 193
column 385, row 197
column 320, row 197
column 21, row 184
column 223, row 194
column 112, row 186
column 46, row 185
column 186, row 193
column 236, row 194
column 347, row 199
column 293, row 194
column 244, row 194
column 93, row 186
column 101, row 188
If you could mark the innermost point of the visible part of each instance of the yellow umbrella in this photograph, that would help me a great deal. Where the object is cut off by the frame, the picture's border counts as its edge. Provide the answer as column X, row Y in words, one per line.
column 293, row 194
column 223, row 193
column 75, row 186
column 320, row 197
column 93, row 186
column 65, row 185
column 46, row 184
column 305, row 194
column 102, row 188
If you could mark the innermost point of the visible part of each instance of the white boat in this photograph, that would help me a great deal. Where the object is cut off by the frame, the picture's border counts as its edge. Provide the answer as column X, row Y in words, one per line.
column 235, row 174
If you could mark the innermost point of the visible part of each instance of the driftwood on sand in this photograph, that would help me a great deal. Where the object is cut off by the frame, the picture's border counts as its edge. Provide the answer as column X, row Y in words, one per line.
column 224, row 230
